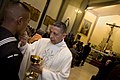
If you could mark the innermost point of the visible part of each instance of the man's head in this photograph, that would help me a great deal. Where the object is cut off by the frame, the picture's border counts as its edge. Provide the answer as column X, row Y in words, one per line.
column 57, row 32
column 40, row 31
column 89, row 44
column 16, row 17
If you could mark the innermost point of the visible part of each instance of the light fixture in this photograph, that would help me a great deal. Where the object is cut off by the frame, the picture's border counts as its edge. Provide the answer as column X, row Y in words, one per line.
column 78, row 11
column 90, row 8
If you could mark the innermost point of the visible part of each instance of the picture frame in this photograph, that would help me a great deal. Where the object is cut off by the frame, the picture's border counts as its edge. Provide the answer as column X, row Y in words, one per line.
column 48, row 20
column 85, row 27
column 35, row 13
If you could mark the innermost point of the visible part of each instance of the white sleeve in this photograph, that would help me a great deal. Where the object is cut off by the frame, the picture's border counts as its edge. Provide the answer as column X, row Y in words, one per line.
column 27, row 50
column 30, row 48
column 63, row 74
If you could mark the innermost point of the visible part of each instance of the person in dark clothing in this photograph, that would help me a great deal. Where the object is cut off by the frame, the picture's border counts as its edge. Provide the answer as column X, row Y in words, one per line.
column 109, row 70
column 86, row 51
column 108, row 62
column 46, row 35
column 75, row 55
column 114, row 74
column 79, row 48
column 16, row 18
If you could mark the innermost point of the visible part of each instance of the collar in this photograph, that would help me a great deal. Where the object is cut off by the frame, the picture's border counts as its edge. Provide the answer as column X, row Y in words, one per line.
column 61, row 44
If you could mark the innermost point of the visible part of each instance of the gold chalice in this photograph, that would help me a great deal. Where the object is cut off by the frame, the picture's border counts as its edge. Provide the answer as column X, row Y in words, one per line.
column 31, row 75
column 35, row 59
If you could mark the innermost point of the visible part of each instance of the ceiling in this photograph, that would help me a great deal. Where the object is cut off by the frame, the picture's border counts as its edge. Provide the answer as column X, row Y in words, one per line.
column 106, row 10
column 102, row 7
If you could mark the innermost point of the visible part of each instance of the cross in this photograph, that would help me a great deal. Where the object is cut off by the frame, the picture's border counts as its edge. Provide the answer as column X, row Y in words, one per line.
column 110, row 33
column 112, row 27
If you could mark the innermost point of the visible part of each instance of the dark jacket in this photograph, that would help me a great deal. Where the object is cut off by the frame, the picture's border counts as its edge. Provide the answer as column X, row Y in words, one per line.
column 114, row 73
column 86, row 51
column 10, row 57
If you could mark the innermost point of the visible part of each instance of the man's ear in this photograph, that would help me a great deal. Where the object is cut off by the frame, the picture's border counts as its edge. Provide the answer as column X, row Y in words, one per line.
column 64, row 35
column 20, row 20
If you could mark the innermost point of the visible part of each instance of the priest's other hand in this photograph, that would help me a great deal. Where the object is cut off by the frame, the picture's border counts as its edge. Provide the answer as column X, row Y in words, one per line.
column 37, row 67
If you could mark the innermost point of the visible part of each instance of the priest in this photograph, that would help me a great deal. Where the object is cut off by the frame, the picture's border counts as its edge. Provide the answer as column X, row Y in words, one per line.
column 54, row 51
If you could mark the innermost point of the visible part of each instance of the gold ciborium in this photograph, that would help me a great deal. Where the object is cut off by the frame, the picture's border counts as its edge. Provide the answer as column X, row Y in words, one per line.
column 31, row 75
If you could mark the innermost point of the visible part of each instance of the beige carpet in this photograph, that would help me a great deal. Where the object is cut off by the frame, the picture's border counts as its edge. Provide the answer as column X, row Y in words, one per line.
column 83, row 72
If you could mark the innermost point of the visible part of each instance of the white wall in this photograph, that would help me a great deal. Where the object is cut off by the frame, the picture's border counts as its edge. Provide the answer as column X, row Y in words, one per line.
column 90, row 17
column 39, row 4
column 52, row 11
column 71, row 14
column 101, row 31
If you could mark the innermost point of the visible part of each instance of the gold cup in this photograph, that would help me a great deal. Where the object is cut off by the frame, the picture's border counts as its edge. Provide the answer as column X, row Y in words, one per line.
column 30, row 75
column 35, row 59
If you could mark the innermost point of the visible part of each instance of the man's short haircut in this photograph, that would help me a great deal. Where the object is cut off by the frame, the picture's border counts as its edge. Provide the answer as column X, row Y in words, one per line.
column 15, row 9
column 12, row 3
column 61, row 25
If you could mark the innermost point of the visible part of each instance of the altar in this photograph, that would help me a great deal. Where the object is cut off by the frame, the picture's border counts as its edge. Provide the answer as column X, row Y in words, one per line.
column 104, row 49
column 95, row 57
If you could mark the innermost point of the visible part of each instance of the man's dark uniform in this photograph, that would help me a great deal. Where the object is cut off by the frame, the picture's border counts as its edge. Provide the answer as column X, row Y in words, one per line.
column 10, row 57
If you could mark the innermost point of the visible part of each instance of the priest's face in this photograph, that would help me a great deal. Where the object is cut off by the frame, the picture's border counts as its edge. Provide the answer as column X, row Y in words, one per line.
column 56, row 34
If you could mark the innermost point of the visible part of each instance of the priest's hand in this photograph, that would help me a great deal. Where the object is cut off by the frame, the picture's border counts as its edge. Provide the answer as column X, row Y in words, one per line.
column 37, row 67
column 23, row 39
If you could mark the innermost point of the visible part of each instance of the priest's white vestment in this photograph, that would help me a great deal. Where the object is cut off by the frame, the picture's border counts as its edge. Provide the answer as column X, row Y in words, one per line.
column 57, row 59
